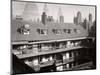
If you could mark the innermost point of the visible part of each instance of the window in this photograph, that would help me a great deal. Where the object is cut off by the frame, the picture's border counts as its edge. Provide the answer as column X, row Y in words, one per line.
column 27, row 62
column 67, row 55
column 35, row 62
column 24, row 29
column 38, row 30
column 77, row 30
column 59, row 68
column 59, row 31
column 56, row 31
column 35, row 47
column 42, row 31
column 44, row 47
column 67, row 31
column 44, row 59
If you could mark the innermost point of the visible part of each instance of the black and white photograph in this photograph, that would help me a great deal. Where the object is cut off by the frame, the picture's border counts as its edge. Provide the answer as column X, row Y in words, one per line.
column 52, row 37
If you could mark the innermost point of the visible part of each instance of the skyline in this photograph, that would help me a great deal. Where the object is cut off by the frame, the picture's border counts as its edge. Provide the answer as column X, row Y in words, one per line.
column 68, row 11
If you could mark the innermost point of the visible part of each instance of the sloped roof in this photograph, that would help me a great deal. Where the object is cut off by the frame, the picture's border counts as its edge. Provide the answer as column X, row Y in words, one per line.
column 16, row 36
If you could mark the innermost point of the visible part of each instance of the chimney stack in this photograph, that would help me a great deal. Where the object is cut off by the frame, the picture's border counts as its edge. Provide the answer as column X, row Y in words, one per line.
column 44, row 18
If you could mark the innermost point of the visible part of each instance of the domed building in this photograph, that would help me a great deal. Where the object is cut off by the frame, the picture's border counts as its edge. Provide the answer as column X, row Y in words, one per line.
column 30, row 11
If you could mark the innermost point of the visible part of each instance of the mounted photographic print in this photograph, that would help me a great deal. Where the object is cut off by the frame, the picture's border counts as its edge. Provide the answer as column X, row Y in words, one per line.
column 52, row 37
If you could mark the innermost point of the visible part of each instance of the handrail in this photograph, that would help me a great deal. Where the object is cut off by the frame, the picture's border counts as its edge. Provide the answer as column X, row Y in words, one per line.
column 26, row 42
column 47, row 52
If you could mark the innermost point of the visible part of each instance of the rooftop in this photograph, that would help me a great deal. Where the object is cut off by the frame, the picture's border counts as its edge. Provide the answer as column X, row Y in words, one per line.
column 34, row 35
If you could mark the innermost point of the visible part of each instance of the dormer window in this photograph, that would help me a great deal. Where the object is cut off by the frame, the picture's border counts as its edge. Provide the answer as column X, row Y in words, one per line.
column 24, row 29
column 77, row 31
column 42, row 31
column 56, row 31
column 67, row 31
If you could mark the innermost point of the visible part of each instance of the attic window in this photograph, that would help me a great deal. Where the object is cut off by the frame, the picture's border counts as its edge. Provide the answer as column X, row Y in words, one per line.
column 42, row 31
column 77, row 30
column 67, row 31
column 59, row 31
column 56, row 31
column 24, row 29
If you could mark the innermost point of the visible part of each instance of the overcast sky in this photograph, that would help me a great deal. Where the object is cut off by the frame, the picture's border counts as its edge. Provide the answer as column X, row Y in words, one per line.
column 68, row 11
